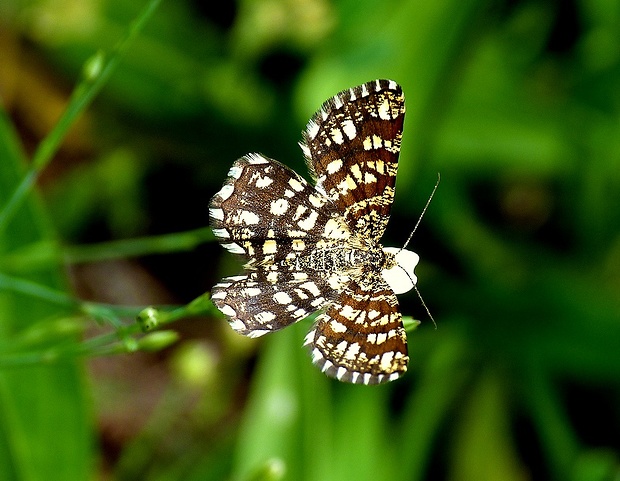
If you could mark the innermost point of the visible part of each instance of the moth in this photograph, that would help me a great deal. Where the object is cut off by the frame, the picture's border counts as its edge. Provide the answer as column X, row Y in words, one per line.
column 316, row 246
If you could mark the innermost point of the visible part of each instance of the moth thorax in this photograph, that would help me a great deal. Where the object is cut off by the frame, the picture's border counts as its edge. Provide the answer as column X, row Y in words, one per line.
column 399, row 274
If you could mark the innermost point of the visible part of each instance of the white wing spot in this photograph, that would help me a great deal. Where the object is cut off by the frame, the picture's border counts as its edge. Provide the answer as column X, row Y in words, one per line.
column 337, row 327
column 312, row 129
column 355, row 170
column 238, row 325
column 234, row 248
column 265, row 317
column 386, row 361
column 301, row 294
column 367, row 143
column 221, row 294
column 221, row 233
column 311, row 287
column 346, row 185
column 348, row 127
column 298, row 245
column 316, row 201
column 334, row 230
column 270, row 247
column 228, row 311
column 282, row 298
column 235, row 172
column 309, row 222
column 216, row 213
column 348, row 312
column 341, row 347
column 369, row 178
column 352, row 351
column 299, row 212
column 248, row 217
column 236, row 278
column 334, row 166
column 296, row 185
column 377, row 142
column 256, row 159
column 225, row 192
column 317, row 302
column 337, row 136
column 279, row 206
column 306, row 150
column 384, row 110
column 263, row 182
column 257, row 333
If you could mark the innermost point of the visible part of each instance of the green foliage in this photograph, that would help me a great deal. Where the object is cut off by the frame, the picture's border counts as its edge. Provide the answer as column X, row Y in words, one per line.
column 515, row 104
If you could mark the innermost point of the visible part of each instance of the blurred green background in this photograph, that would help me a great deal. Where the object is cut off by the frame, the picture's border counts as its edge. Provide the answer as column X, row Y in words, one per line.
column 516, row 103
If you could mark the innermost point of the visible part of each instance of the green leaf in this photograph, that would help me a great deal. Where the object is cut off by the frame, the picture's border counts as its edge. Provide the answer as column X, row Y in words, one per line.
column 45, row 422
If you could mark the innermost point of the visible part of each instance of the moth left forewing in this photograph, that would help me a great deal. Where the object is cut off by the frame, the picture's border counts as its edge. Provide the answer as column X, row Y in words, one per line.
column 262, row 202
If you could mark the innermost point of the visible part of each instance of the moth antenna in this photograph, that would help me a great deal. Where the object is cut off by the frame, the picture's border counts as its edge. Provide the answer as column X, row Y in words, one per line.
column 424, row 304
column 428, row 202
column 419, row 295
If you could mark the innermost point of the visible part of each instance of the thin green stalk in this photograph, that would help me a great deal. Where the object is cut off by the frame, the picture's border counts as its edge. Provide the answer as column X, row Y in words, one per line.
column 179, row 241
column 42, row 345
column 124, row 338
column 60, row 298
column 103, row 345
column 39, row 291
column 46, row 253
column 94, row 78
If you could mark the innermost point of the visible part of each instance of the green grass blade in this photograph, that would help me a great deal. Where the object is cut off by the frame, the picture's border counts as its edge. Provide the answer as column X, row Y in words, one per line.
column 44, row 413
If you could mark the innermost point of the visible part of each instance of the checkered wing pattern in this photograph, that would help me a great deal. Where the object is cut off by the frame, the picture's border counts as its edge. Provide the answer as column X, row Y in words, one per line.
column 265, row 301
column 351, row 146
column 360, row 338
column 264, row 206
column 316, row 248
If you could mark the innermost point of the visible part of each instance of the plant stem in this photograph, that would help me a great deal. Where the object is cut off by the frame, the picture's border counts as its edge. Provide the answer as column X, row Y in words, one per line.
column 81, row 97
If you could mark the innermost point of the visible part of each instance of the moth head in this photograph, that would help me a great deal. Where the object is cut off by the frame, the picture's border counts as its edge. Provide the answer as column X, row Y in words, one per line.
column 401, row 277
